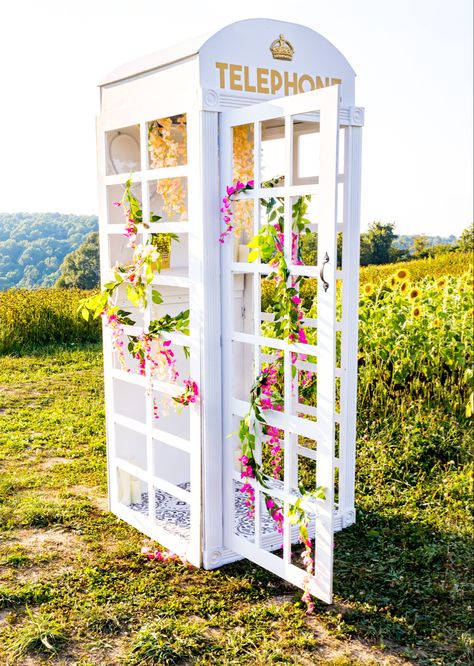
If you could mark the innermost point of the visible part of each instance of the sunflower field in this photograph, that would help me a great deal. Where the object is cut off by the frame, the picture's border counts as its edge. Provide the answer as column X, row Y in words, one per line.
column 32, row 319
column 417, row 336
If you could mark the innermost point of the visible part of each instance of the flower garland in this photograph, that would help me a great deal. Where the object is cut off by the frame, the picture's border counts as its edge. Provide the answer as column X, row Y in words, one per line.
column 150, row 348
column 231, row 192
column 243, row 167
column 167, row 147
column 266, row 392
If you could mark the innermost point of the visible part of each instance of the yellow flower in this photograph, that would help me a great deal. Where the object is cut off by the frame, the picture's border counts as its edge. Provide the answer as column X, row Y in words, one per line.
column 402, row 274
column 416, row 312
column 392, row 282
column 243, row 153
column 436, row 322
column 442, row 282
column 414, row 293
column 404, row 287
column 368, row 289
column 167, row 148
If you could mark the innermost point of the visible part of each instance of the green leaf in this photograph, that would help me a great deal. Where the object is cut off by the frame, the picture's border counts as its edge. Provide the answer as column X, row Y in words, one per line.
column 156, row 297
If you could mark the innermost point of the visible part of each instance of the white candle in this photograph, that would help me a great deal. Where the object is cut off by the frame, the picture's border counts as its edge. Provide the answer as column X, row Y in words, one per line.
column 243, row 253
column 136, row 490
column 124, row 487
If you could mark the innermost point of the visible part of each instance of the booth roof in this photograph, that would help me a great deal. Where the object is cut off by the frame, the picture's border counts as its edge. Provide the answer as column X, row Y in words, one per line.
column 155, row 60
column 191, row 48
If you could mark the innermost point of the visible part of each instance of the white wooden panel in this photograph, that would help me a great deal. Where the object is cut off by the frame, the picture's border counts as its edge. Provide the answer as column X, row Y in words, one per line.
column 139, row 112
column 327, row 339
column 326, row 103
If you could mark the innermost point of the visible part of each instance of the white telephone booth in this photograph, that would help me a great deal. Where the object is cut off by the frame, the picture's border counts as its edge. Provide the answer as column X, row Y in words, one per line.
column 273, row 103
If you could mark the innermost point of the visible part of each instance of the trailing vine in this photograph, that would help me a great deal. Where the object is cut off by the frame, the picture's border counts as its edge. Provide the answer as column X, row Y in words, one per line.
column 150, row 348
column 267, row 391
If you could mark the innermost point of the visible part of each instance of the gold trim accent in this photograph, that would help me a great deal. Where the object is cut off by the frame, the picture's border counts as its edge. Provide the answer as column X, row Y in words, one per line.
column 282, row 49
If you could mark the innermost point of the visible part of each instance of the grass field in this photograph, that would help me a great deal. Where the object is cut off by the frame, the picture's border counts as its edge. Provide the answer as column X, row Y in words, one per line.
column 74, row 588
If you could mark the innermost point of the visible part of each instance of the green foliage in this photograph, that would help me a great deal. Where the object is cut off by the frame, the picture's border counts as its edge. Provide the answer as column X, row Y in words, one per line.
column 419, row 249
column 33, row 245
column 41, row 633
column 30, row 319
column 37, row 511
column 80, row 269
column 377, row 242
column 405, row 242
column 166, row 641
column 466, row 240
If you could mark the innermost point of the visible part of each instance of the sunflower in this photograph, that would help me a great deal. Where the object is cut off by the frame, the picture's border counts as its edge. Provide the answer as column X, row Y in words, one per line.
column 368, row 289
column 417, row 312
column 436, row 322
column 404, row 287
column 442, row 282
column 392, row 282
column 414, row 293
column 402, row 274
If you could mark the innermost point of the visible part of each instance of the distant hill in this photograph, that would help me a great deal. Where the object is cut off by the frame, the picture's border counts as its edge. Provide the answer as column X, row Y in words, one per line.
column 406, row 242
column 33, row 246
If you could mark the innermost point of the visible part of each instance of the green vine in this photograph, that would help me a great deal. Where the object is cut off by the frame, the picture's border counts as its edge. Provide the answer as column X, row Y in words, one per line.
column 149, row 348
column 267, row 390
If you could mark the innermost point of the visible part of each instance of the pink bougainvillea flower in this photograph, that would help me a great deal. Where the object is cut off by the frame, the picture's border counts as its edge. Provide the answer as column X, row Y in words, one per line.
column 230, row 190
column 265, row 403
column 117, row 203
column 302, row 336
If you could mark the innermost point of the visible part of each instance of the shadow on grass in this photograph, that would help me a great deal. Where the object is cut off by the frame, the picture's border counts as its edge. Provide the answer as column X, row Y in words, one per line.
column 399, row 585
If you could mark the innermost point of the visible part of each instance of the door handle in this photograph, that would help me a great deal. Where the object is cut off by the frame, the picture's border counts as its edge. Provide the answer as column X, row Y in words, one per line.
column 321, row 272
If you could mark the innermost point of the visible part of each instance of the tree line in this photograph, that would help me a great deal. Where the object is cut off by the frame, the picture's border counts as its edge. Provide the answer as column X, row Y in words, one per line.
column 33, row 246
column 50, row 249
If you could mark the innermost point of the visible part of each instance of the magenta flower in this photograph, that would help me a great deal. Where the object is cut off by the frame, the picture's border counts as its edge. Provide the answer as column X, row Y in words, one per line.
column 302, row 336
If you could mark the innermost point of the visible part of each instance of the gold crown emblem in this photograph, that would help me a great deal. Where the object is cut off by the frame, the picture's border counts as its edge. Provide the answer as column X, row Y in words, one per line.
column 282, row 49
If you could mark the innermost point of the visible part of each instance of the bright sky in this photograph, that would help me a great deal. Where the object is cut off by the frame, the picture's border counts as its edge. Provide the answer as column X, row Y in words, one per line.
column 413, row 59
